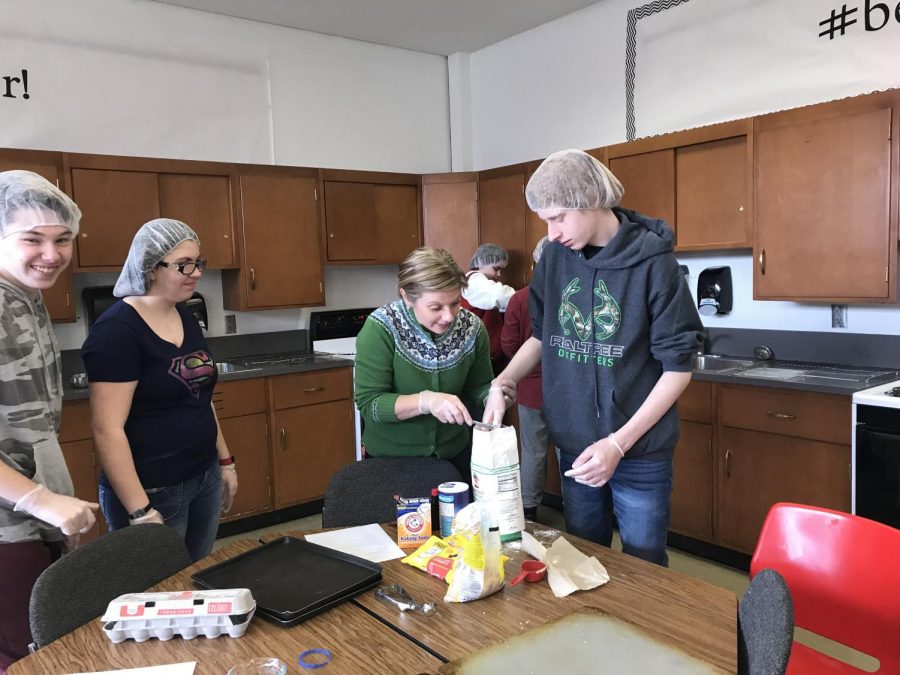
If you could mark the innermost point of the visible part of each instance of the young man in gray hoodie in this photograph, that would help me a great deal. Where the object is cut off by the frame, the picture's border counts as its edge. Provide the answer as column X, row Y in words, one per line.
column 614, row 329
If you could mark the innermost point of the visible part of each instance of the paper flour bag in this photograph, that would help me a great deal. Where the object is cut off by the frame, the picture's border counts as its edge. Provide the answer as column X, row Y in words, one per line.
column 495, row 476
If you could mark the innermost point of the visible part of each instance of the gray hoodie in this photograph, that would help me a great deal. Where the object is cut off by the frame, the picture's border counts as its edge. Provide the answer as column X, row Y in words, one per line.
column 609, row 327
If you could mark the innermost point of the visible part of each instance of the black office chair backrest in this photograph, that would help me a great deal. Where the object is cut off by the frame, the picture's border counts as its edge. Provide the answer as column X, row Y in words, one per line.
column 765, row 626
column 362, row 492
column 79, row 586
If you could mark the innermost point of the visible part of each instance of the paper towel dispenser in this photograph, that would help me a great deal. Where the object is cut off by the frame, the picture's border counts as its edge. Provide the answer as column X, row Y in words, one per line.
column 714, row 294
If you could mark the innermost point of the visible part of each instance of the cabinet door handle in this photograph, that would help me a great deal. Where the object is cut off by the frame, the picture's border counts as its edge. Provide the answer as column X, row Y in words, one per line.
column 252, row 279
column 762, row 261
column 781, row 415
column 283, row 435
column 313, row 389
column 68, row 301
column 728, row 464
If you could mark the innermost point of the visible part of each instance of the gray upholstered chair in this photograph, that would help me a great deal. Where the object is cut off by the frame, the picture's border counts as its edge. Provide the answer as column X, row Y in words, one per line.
column 79, row 586
column 362, row 492
column 765, row 626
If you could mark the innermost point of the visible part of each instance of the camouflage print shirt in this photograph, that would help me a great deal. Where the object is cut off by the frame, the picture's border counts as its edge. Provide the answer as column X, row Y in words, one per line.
column 30, row 407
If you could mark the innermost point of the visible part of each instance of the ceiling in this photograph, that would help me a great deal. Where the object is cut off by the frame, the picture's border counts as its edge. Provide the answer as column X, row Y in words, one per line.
column 434, row 26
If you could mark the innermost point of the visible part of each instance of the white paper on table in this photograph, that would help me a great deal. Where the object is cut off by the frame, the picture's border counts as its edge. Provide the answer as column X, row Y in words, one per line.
column 568, row 569
column 366, row 541
column 186, row 668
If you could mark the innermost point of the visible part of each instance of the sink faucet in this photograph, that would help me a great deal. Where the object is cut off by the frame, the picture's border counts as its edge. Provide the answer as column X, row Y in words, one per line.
column 705, row 346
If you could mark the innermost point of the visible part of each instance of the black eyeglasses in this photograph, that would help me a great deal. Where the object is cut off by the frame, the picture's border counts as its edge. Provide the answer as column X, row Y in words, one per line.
column 186, row 268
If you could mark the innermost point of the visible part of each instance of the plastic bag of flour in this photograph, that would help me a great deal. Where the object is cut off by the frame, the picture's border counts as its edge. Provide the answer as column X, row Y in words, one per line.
column 495, row 476
column 478, row 570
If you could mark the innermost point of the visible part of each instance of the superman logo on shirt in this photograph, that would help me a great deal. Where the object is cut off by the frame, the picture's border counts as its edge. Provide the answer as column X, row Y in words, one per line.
column 193, row 370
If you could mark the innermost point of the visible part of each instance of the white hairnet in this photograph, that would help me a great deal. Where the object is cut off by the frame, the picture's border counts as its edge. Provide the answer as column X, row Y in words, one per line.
column 28, row 200
column 150, row 245
column 572, row 179
column 539, row 249
column 488, row 254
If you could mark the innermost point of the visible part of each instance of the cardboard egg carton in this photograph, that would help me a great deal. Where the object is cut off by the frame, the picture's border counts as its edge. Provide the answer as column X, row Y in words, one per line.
column 141, row 616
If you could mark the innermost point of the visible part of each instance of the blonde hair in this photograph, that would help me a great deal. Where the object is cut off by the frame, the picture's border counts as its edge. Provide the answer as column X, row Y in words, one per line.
column 429, row 270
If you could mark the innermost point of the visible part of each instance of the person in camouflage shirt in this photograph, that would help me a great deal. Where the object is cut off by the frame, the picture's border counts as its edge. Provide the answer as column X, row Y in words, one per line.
column 38, row 514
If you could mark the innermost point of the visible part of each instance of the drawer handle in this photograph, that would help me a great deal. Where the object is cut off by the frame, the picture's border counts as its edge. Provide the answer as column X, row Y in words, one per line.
column 310, row 390
column 728, row 464
column 283, row 439
column 781, row 416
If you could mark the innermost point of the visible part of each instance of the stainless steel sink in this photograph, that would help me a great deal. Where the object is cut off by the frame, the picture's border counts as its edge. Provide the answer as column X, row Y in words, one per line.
column 718, row 364
column 225, row 367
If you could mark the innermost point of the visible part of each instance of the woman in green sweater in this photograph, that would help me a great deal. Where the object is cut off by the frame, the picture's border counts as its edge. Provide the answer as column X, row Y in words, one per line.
column 421, row 362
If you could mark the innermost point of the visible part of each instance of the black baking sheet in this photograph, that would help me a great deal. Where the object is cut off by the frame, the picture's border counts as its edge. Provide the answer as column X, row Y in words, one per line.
column 292, row 579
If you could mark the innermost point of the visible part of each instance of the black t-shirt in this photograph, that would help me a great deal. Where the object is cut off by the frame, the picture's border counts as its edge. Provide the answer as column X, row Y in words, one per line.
column 170, row 427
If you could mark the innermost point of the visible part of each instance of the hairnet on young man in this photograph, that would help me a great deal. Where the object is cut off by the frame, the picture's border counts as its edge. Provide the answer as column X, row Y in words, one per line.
column 572, row 179
column 29, row 200
column 488, row 254
column 150, row 245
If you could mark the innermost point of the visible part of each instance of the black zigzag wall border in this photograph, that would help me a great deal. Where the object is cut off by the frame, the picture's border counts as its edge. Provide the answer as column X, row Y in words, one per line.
column 641, row 12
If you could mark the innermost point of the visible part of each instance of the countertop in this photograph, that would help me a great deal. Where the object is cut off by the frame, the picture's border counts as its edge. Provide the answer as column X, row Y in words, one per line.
column 325, row 362
column 301, row 365
column 805, row 382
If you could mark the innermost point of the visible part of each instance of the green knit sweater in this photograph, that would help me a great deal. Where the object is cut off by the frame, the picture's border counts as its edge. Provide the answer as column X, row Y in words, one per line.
column 396, row 356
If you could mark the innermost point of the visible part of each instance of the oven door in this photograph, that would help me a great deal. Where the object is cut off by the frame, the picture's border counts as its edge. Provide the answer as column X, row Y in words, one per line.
column 877, row 486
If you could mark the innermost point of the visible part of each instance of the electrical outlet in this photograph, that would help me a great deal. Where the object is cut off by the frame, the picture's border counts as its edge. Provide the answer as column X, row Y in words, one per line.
column 230, row 324
column 839, row 316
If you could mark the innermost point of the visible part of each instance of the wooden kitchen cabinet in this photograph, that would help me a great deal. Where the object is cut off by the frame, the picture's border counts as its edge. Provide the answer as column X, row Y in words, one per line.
column 826, row 202
column 777, row 446
column 241, row 409
column 117, row 195
column 649, row 182
column 699, row 181
column 370, row 218
column 76, row 441
column 282, row 259
column 692, row 489
column 450, row 214
column 313, row 432
column 502, row 215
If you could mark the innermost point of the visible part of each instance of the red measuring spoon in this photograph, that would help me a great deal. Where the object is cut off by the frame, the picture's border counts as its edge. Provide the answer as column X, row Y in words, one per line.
column 530, row 571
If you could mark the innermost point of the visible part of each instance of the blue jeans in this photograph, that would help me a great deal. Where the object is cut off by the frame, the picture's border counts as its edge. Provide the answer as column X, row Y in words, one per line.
column 191, row 508
column 638, row 493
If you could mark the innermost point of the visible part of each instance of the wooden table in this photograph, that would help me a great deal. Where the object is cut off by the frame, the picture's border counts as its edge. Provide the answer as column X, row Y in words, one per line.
column 367, row 635
column 360, row 643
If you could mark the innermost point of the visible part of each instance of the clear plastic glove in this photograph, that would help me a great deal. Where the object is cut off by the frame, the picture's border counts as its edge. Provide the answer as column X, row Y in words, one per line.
column 152, row 516
column 69, row 514
column 596, row 465
column 445, row 407
column 229, row 486
column 500, row 396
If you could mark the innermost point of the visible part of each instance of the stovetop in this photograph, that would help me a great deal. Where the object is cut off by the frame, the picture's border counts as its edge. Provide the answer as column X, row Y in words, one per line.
column 885, row 395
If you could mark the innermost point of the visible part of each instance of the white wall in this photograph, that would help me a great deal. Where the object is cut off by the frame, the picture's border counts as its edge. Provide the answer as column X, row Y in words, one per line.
column 563, row 85
column 131, row 77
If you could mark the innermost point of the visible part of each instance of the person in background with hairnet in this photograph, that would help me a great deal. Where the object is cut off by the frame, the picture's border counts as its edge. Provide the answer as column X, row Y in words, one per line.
column 486, row 297
column 614, row 328
column 38, row 514
column 151, row 378
column 533, row 435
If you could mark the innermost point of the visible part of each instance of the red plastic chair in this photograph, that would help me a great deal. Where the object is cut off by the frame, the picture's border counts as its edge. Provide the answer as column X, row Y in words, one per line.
column 843, row 572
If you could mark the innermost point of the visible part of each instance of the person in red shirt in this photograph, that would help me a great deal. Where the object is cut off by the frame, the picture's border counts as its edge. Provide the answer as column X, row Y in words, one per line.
column 534, row 436
column 486, row 297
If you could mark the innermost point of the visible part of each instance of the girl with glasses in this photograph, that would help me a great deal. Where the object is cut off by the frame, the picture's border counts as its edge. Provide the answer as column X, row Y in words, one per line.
column 151, row 376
